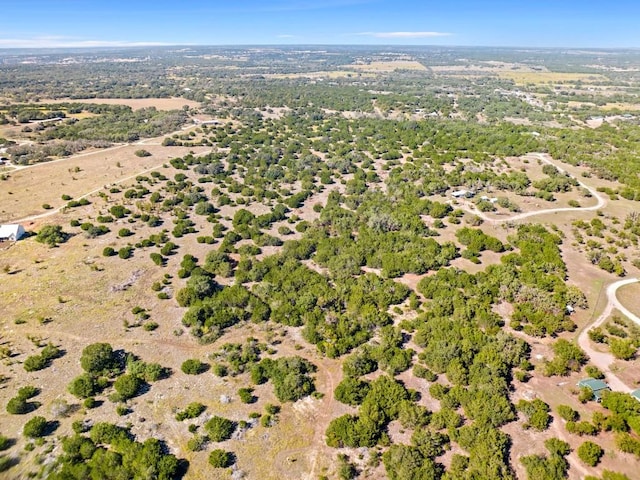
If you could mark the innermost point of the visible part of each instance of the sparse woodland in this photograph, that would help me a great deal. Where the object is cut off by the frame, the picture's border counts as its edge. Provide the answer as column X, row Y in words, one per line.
column 313, row 261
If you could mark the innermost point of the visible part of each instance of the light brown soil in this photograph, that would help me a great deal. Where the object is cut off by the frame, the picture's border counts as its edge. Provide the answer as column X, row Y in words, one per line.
column 174, row 103
column 629, row 296
column 27, row 189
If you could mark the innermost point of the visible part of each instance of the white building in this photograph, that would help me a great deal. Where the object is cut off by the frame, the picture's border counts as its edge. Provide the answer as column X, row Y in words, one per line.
column 11, row 232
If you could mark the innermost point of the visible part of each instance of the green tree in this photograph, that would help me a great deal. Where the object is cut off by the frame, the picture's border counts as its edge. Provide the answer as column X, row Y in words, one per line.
column 36, row 427
column 51, row 235
column 220, row 458
column 5, row 442
column 98, row 358
column 590, row 453
column 127, row 386
column 621, row 348
column 220, row 428
column 84, row 386
column 193, row 366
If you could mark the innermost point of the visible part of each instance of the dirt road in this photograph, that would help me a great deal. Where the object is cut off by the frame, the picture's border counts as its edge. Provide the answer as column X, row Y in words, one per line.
column 601, row 201
column 48, row 213
column 604, row 360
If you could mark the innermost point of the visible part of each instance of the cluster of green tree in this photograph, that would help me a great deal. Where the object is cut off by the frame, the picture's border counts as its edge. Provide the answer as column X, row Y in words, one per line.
column 37, row 362
column 416, row 460
column 542, row 295
column 336, row 316
column 568, row 357
column 25, row 113
column 19, row 405
column 426, row 103
column 51, row 235
column 611, row 151
column 536, row 413
column 236, row 358
column 119, row 123
column 92, row 231
column 477, row 241
column 193, row 410
column 532, row 278
column 294, row 93
column 621, row 335
column 496, row 105
column 101, row 364
column 610, row 254
column 290, row 377
column 380, row 405
column 213, row 308
column 87, row 78
column 459, row 336
column 551, row 467
column 375, row 237
column 555, row 182
column 608, row 475
column 111, row 452
column 626, row 410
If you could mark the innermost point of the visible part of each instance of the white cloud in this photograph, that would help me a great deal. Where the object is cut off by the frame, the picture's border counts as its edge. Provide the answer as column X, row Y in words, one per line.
column 67, row 42
column 405, row 34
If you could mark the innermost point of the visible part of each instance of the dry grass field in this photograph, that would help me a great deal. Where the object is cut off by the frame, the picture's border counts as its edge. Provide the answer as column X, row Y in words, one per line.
column 322, row 75
column 523, row 78
column 44, row 284
column 378, row 66
column 629, row 296
column 27, row 189
column 174, row 103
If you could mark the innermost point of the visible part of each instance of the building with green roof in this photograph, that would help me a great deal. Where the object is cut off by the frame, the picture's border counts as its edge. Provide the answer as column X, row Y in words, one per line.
column 596, row 386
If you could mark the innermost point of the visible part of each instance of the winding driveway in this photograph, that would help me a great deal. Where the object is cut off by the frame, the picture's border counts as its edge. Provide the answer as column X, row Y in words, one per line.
column 604, row 360
column 601, row 201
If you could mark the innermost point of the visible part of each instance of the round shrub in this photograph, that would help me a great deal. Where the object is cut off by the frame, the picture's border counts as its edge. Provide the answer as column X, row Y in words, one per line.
column 127, row 386
column 36, row 427
column 220, row 459
column 219, row 428
column 590, row 453
column 193, row 367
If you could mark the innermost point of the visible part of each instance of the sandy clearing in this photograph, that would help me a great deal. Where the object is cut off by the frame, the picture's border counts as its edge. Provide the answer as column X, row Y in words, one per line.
column 173, row 103
column 601, row 201
column 24, row 193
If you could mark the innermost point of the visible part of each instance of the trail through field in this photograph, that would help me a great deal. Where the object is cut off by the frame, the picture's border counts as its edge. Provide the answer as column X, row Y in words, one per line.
column 92, row 192
column 604, row 360
column 601, row 201
column 144, row 141
column 57, row 210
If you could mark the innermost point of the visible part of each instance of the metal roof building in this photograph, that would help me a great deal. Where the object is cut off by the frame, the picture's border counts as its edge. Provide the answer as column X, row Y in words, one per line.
column 595, row 385
column 11, row 232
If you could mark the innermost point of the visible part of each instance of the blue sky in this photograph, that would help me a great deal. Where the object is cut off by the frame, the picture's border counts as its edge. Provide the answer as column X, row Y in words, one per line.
column 536, row 23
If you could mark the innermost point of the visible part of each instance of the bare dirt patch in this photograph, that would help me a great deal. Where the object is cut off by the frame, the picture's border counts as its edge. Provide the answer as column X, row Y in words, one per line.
column 523, row 78
column 173, row 103
column 26, row 190
column 629, row 296
column 388, row 66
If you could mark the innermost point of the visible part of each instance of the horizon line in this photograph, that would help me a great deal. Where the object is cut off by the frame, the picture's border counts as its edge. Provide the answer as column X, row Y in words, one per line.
column 158, row 45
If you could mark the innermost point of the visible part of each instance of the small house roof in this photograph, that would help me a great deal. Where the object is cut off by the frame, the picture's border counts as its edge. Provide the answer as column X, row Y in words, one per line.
column 14, row 231
column 593, row 384
column 636, row 394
